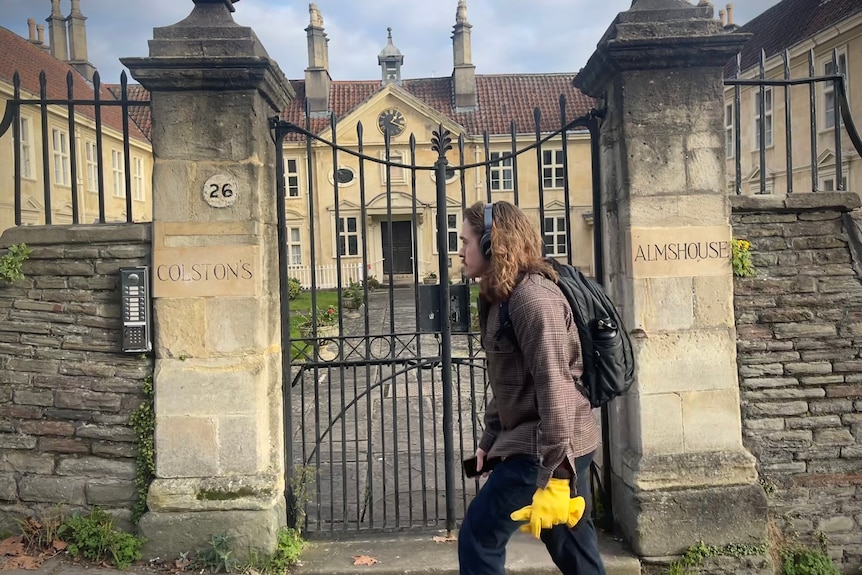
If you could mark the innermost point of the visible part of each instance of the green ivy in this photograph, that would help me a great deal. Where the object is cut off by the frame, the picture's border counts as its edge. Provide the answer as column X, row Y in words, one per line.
column 143, row 421
column 800, row 560
column 695, row 555
column 288, row 548
column 94, row 538
column 11, row 263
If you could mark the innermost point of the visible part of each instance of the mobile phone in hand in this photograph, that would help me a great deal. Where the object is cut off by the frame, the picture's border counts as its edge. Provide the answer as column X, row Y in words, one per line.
column 470, row 467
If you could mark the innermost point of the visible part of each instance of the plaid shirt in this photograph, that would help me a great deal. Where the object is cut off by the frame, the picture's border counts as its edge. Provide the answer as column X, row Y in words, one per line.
column 536, row 408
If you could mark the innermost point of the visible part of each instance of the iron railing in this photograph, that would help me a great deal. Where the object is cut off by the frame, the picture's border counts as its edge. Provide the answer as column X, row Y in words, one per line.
column 71, row 105
column 378, row 413
column 843, row 120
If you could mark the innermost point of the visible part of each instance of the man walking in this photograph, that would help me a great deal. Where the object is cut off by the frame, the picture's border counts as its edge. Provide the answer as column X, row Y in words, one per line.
column 539, row 431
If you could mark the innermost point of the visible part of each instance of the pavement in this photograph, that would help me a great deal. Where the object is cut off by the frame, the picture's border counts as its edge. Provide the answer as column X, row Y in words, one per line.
column 61, row 565
column 419, row 553
column 393, row 554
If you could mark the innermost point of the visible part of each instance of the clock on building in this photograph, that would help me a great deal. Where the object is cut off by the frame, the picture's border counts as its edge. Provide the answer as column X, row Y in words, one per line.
column 391, row 121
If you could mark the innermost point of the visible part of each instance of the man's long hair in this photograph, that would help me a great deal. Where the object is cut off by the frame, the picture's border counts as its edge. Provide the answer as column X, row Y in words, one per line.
column 516, row 249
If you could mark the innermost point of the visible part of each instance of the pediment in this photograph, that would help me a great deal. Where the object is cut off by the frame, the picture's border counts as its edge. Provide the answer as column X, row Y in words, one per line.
column 754, row 174
column 400, row 201
column 826, row 158
column 30, row 203
column 421, row 118
column 555, row 206
column 345, row 206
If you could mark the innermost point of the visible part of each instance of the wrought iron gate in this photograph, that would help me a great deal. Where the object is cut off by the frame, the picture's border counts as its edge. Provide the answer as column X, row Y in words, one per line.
column 378, row 411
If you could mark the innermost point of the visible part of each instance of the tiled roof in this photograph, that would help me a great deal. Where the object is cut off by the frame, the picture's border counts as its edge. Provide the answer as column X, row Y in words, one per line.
column 29, row 60
column 502, row 98
column 788, row 23
column 141, row 115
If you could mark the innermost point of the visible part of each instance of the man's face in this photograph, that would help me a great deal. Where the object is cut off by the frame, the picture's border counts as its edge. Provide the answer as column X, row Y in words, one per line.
column 474, row 262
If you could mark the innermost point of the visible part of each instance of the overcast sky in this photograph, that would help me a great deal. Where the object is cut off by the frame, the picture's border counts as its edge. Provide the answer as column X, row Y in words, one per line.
column 508, row 35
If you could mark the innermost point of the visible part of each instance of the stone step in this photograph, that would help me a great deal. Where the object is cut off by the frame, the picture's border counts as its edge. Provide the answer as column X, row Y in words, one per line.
column 398, row 554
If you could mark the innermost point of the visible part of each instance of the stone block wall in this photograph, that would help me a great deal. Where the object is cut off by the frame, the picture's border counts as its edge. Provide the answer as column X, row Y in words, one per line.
column 799, row 341
column 66, row 389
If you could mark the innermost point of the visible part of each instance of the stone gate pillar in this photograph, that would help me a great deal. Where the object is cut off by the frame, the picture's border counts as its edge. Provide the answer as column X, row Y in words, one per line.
column 680, row 471
column 218, row 438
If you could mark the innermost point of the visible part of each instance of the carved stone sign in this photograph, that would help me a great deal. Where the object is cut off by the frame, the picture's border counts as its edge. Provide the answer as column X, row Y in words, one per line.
column 680, row 252
column 205, row 271
column 220, row 191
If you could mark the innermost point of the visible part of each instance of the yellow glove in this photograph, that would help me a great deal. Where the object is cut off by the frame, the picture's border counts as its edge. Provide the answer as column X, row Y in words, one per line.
column 551, row 506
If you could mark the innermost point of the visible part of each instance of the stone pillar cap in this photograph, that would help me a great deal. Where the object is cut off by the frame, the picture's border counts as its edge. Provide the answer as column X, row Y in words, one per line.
column 229, row 3
column 209, row 51
column 658, row 34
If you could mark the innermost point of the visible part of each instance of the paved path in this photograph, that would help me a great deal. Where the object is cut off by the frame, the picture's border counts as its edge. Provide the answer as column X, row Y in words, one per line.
column 396, row 555
column 400, row 554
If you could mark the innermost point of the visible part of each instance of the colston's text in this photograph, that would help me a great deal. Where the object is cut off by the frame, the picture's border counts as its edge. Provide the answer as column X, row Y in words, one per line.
column 204, row 272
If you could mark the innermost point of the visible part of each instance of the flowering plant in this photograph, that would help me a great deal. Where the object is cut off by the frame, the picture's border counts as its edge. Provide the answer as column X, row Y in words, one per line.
column 740, row 259
column 329, row 316
column 325, row 317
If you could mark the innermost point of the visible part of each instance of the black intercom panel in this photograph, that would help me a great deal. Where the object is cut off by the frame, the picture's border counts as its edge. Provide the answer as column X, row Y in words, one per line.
column 430, row 318
column 135, row 295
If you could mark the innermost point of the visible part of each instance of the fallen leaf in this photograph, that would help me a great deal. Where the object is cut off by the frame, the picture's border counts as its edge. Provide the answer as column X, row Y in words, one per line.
column 60, row 545
column 12, row 546
column 364, row 560
column 22, row 562
column 444, row 539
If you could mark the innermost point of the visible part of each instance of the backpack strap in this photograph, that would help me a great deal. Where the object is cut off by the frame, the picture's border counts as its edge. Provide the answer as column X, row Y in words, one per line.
column 506, row 329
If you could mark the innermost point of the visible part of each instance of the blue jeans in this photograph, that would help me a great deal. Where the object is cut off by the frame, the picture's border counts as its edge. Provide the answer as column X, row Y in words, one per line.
column 487, row 527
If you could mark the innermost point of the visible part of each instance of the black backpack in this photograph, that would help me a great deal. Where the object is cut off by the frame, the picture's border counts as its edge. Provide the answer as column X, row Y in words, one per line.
column 609, row 364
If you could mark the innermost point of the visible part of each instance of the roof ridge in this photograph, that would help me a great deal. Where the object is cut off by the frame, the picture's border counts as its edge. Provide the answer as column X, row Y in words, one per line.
column 30, row 60
column 438, row 78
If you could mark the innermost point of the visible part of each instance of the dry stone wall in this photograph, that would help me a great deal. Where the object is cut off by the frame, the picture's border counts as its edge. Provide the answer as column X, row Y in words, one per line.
column 799, row 340
column 66, row 389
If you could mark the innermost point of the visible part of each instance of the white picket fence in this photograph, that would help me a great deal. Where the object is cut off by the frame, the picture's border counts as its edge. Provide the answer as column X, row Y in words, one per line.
column 327, row 276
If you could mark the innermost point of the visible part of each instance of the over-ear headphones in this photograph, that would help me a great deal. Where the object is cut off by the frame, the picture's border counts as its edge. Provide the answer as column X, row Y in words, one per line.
column 485, row 242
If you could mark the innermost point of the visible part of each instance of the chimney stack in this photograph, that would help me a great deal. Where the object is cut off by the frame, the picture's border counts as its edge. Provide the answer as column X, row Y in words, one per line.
column 40, row 35
column 464, row 72
column 317, row 79
column 77, row 26
column 723, row 17
column 57, row 33
column 31, row 25
column 729, row 25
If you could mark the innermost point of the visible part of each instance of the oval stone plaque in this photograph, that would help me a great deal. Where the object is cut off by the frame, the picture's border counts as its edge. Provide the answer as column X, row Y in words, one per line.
column 220, row 191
